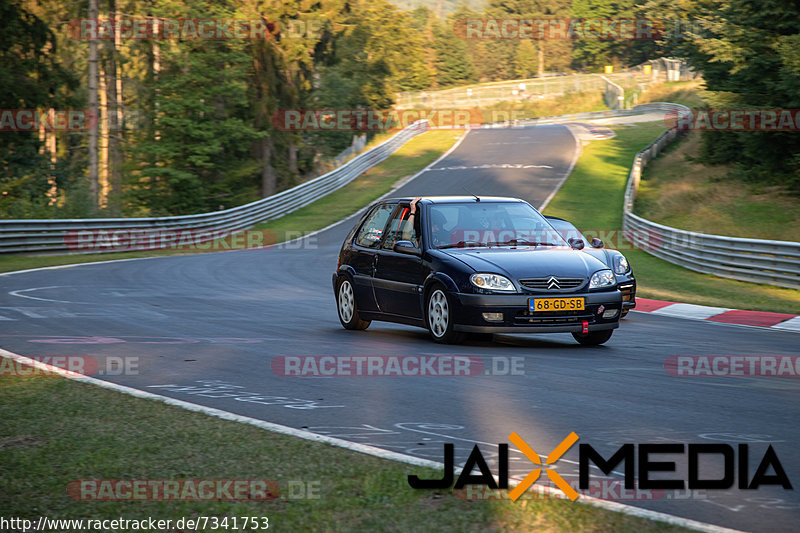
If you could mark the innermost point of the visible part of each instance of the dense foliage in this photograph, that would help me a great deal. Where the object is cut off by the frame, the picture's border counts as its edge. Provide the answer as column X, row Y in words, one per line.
column 185, row 124
column 749, row 55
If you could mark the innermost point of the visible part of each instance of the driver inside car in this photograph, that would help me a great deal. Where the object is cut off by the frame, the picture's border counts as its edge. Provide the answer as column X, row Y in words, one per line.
column 410, row 231
column 438, row 233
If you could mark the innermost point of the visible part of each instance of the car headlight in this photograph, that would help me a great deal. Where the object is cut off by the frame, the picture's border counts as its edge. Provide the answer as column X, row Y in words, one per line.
column 602, row 278
column 492, row 282
column 621, row 265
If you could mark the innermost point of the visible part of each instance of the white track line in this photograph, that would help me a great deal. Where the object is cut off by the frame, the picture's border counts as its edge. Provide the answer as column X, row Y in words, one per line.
column 576, row 155
column 72, row 265
column 17, row 294
column 353, row 446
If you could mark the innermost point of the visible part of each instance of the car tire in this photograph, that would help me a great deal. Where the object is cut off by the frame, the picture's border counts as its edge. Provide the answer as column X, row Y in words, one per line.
column 346, row 306
column 439, row 317
column 595, row 338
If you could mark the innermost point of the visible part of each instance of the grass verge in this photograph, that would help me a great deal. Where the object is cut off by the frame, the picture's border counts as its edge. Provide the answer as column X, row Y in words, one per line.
column 577, row 102
column 412, row 157
column 678, row 190
column 91, row 433
column 688, row 93
column 592, row 199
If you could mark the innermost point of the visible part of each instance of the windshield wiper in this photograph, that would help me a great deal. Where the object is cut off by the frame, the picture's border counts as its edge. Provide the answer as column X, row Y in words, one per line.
column 463, row 244
column 517, row 242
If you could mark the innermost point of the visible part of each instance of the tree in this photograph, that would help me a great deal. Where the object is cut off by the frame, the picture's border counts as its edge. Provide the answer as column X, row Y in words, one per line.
column 483, row 65
column 526, row 62
column 552, row 54
column 204, row 125
column 453, row 64
column 748, row 55
column 30, row 78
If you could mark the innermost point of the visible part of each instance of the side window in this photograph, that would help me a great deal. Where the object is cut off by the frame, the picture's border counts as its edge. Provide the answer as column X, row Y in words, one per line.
column 402, row 228
column 371, row 232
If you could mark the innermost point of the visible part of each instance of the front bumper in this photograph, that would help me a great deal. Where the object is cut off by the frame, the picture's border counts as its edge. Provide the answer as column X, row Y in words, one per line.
column 517, row 318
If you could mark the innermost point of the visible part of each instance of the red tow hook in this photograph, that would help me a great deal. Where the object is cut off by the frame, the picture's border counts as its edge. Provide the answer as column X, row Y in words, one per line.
column 585, row 326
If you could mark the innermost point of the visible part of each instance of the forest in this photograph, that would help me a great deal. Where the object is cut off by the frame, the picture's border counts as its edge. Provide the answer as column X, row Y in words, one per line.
column 155, row 108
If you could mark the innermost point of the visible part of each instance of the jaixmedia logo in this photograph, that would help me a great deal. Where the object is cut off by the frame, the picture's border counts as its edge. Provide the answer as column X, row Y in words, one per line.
column 633, row 457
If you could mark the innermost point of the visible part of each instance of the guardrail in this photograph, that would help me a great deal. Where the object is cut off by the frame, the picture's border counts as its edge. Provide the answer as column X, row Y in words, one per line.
column 56, row 236
column 753, row 260
column 578, row 117
column 614, row 95
column 486, row 94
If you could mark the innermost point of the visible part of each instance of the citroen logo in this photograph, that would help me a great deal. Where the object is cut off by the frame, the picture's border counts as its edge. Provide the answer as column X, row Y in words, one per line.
column 552, row 283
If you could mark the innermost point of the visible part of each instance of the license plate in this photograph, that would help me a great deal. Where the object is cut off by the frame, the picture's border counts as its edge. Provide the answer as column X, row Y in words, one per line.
column 555, row 304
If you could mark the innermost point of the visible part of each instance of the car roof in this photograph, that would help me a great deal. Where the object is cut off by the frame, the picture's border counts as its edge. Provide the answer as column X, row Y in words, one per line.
column 453, row 199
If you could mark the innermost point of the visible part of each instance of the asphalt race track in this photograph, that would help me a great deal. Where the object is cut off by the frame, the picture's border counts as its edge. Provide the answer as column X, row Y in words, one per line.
column 206, row 327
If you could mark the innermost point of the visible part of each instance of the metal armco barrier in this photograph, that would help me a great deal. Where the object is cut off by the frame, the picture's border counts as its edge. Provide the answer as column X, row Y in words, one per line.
column 753, row 260
column 578, row 117
column 46, row 237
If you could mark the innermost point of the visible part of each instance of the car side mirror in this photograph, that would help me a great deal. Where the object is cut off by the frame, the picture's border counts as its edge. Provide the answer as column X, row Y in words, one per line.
column 597, row 243
column 576, row 244
column 405, row 247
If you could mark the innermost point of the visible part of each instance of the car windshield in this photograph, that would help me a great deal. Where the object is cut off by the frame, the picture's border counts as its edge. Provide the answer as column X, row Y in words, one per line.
column 489, row 224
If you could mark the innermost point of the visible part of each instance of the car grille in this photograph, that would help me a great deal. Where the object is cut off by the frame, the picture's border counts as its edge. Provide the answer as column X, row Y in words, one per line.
column 554, row 317
column 552, row 283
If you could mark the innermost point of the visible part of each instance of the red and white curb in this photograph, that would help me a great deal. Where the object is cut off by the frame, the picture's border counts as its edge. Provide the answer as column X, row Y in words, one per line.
column 763, row 319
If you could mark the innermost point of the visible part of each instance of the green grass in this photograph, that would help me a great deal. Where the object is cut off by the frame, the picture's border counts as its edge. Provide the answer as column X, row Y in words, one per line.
column 592, row 199
column 412, row 157
column 688, row 93
column 86, row 432
column 679, row 191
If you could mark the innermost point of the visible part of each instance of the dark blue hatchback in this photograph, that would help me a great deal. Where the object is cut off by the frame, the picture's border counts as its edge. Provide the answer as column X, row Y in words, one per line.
column 454, row 264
